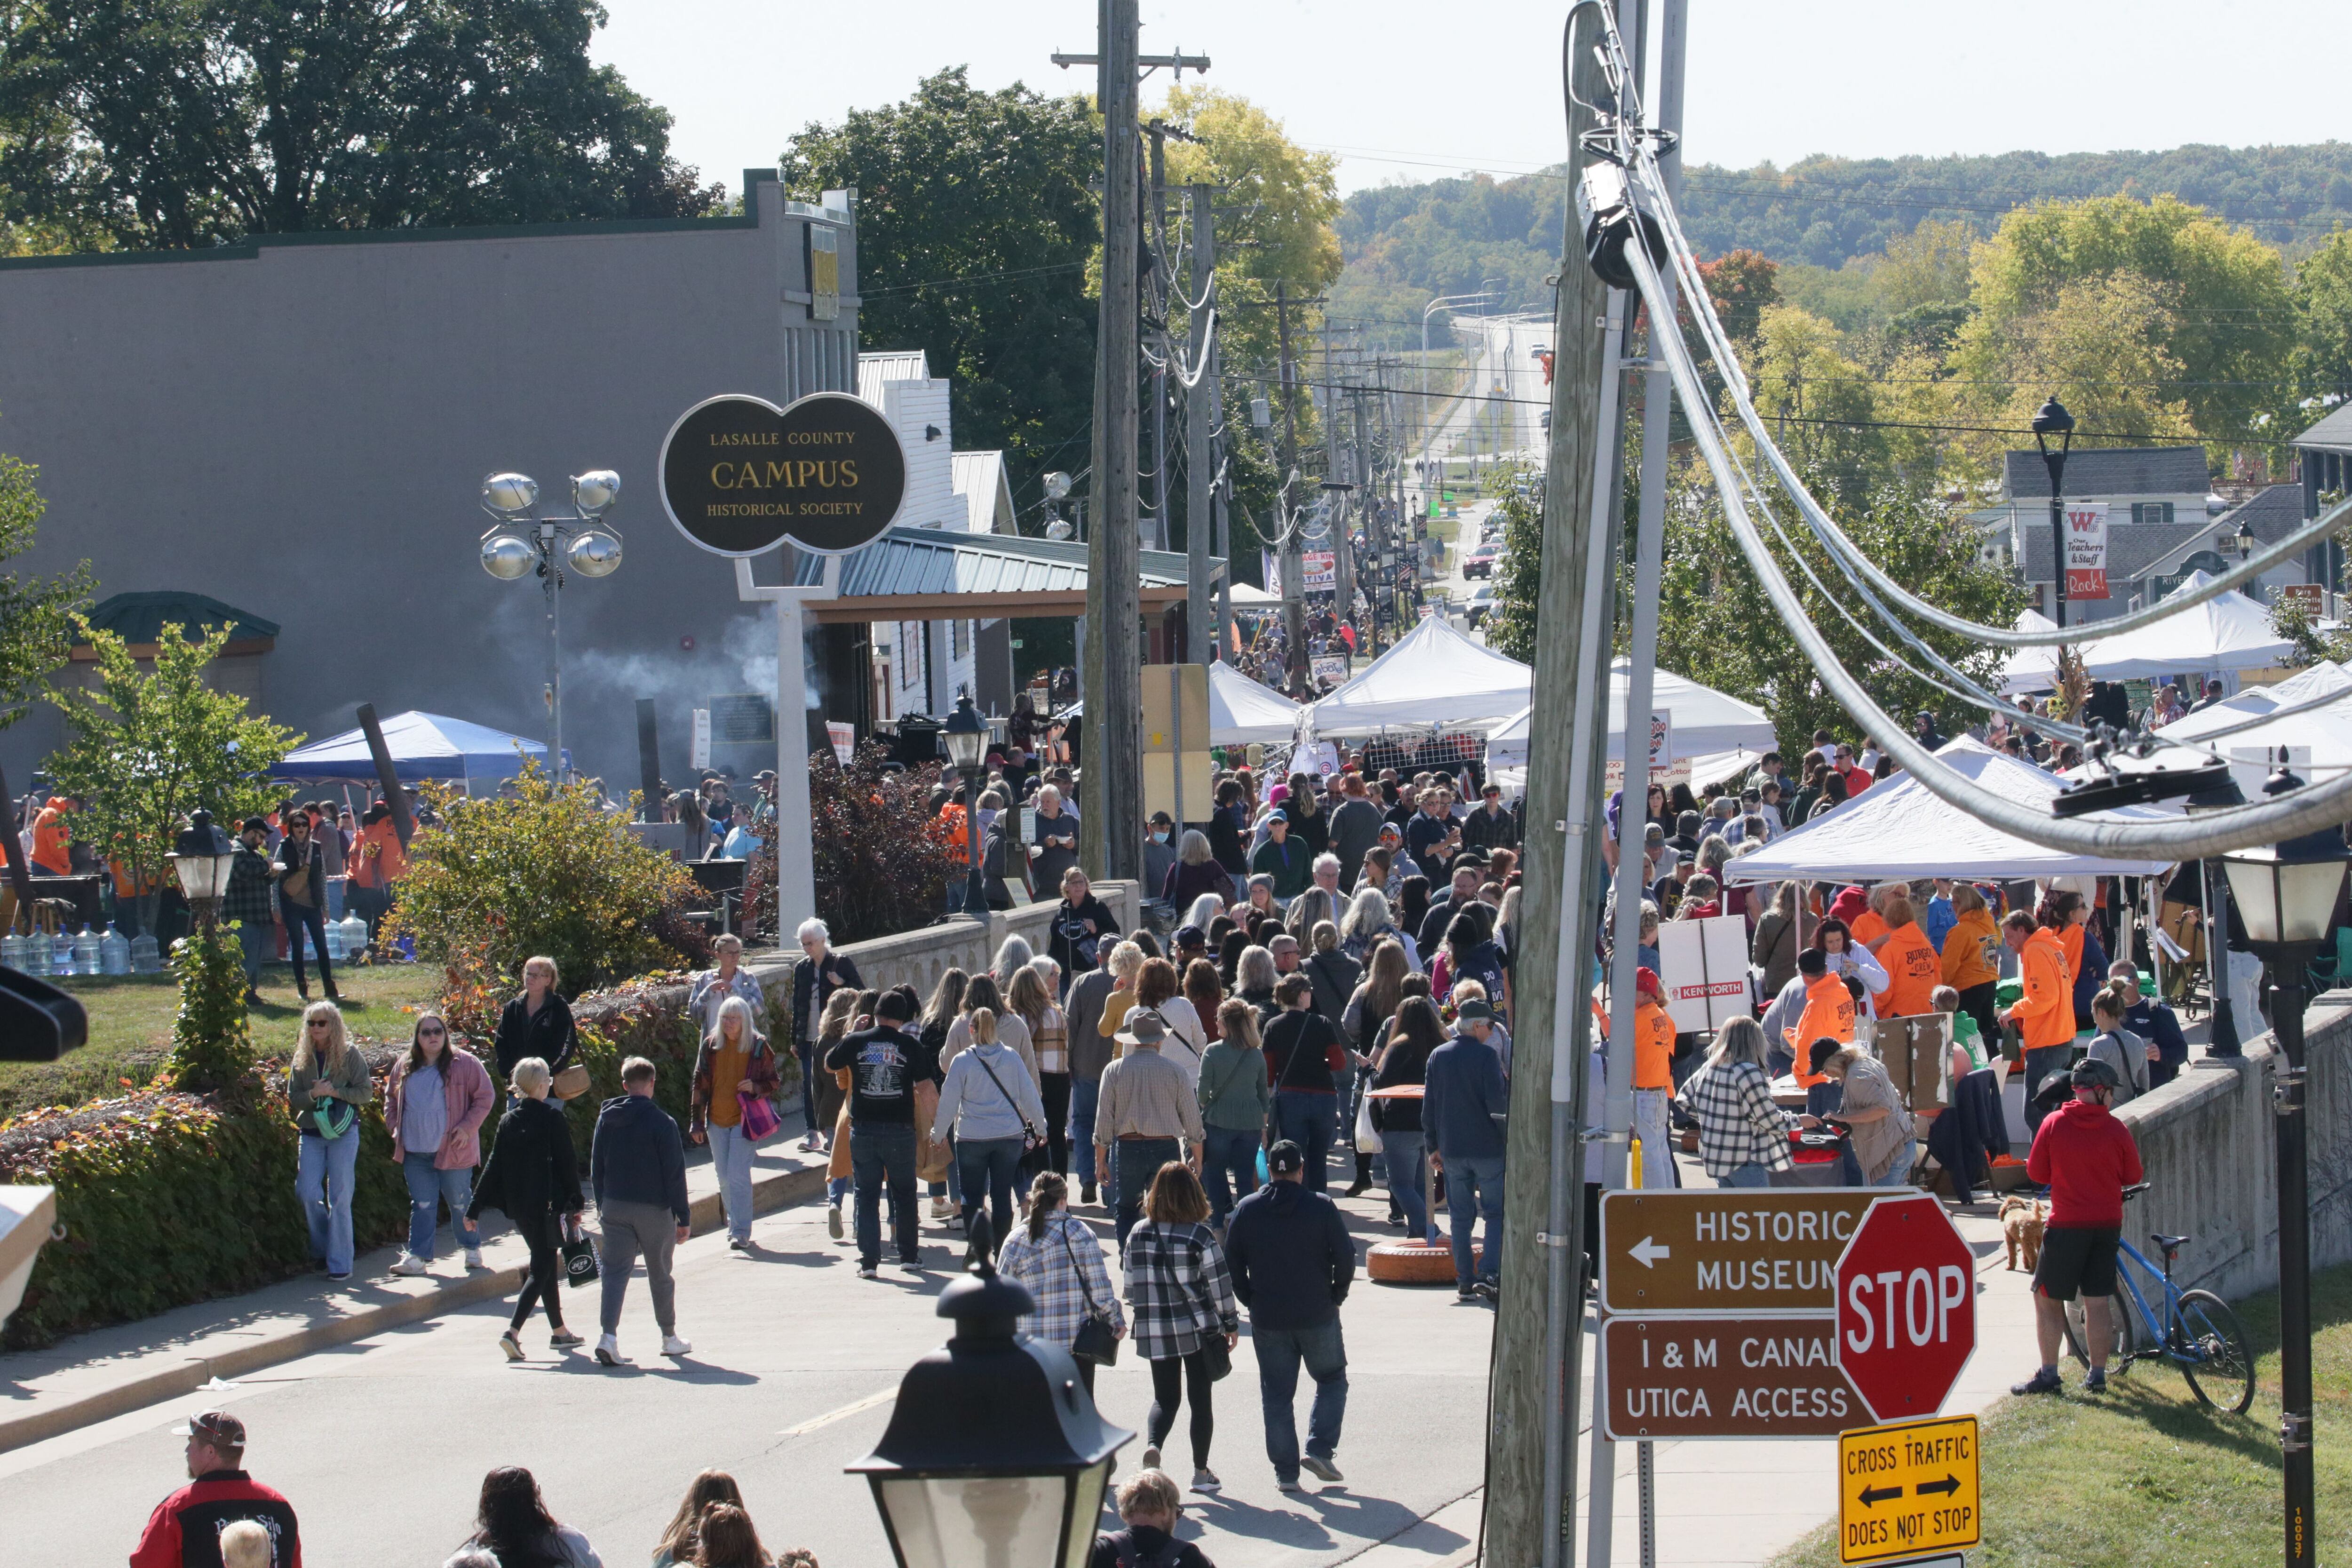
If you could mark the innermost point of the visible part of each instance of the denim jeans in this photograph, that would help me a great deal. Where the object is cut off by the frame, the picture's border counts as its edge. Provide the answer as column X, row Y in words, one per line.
column 2040, row 1061
column 990, row 1168
column 258, row 941
column 426, row 1189
column 1229, row 1168
column 1473, row 1186
column 1310, row 1120
column 1748, row 1175
column 878, row 1154
column 1279, row 1352
column 1652, row 1127
column 1899, row 1175
column 323, row 1181
column 1086, row 1093
column 730, row 1157
column 1132, row 1167
column 300, row 918
column 1408, row 1168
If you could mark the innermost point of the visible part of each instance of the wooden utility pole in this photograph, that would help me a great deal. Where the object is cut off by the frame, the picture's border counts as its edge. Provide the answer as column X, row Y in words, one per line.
column 1531, row 1502
column 1294, row 600
column 1200, row 631
column 1110, row 776
column 1367, row 507
column 1163, row 279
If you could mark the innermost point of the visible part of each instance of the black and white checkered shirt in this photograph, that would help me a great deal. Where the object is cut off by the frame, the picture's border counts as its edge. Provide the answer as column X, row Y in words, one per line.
column 1737, row 1123
column 1179, row 1288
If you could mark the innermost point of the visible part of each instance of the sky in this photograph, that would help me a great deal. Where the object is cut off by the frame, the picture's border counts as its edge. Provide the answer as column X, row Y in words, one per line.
column 1413, row 91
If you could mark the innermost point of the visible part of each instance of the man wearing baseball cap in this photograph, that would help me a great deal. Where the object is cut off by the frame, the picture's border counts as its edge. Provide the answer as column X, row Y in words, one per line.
column 1654, row 1080
column 1465, row 1098
column 1292, row 1262
column 184, row 1529
column 2086, row 1158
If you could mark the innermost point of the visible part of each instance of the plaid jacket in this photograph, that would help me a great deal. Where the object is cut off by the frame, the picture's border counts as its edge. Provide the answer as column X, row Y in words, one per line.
column 247, row 899
column 1182, row 1291
column 1045, row 1267
column 1737, row 1123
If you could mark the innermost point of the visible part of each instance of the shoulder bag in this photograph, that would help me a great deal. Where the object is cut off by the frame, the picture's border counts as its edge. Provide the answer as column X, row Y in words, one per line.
column 1031, row 1140
column 1095, row 1339
column 579, row 1254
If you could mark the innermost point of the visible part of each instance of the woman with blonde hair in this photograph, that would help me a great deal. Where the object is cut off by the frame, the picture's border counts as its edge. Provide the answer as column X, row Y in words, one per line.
column 733, row 1068
column 325, row 1086
column 534, row 1175
column 536, row 1023
column 1030, row 997
column 434, row 1108
column 1181, row 1294
column 1235, row 1100
column 990, row 1101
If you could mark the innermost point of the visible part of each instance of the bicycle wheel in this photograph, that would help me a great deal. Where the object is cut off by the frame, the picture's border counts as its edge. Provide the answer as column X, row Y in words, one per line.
column 2213, row 1356
column 2121, row 1335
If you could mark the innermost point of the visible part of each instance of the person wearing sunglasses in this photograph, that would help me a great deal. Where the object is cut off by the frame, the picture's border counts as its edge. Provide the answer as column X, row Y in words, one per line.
column 326, row 1084
column 434, row 1107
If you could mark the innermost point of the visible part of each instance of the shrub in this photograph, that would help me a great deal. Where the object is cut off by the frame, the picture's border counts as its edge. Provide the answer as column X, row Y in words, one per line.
column 881, row 866
column 211, row 1039
column 544, row 871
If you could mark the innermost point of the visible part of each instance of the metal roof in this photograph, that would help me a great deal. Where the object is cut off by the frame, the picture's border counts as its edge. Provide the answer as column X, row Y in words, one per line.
column 140, row 618
column 2332, row 434
column 909, row 560
column 887, row 365
column 2096, row 471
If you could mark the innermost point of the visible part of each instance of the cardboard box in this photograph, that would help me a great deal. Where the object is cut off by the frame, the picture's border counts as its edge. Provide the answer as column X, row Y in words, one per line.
column 1917, row 1051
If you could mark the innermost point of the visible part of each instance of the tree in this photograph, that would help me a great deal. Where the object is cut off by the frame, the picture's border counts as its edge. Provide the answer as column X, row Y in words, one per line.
column 1929, row 266
column 1518, row 574
column 1742, row 286
column 148, row 747
column 2323, row 308
column 185, row 124
column 975, row 229
column 2292, row 618
column 1821, row 403
column 36, row 614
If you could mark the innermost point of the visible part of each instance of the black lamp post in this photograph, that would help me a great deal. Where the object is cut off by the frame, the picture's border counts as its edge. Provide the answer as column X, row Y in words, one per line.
column 2223, row 1039
column 966, row 734
column 2053, row 420
column 201, row 857
column 2286, row 894
column 995, row 1455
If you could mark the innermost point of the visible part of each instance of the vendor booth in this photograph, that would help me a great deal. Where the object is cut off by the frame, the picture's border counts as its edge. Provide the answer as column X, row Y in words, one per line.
column 2316, row 733
column 423, row 746
column 1434, row 677
column 2220, row 636
column 1702, row 725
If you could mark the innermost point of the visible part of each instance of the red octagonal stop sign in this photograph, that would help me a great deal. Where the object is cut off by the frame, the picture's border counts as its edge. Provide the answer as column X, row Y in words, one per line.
column 1907, row 1307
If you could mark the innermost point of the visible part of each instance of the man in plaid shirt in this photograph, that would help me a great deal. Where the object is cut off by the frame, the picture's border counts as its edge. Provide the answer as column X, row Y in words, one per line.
column 247, row 903
column 1742, row 1135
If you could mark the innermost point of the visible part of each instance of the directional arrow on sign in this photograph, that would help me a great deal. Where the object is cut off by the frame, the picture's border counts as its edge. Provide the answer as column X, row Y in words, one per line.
column 1873, row 1495
column 1948, row 1486
column 1646, row 1252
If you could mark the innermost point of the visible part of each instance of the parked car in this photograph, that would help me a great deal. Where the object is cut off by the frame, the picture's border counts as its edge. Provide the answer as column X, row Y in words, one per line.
column 1480, row 563
column 1478, row 606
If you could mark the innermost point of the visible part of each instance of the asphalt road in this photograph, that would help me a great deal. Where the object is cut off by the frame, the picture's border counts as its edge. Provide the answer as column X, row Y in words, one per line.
column 381, row 1445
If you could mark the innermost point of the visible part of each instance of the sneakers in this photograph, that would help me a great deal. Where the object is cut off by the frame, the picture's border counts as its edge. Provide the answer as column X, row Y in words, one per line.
column 410, row 1266
column 608, row 1352
column 2046, row 1381
column 1487, row 1290
column 739, row 1244
column 513, row 1345
column 672, row 1345
column 833, row 1220
column 1464, row 1293
column 1292, row 1484
column 911, row 1264
column 1322, row 1469
column 1151, row 1457
column 811, row 1144
column 474, row 1258
column 940, row 1210
column 339, row 1279
column 564, row 1339
column 1205, row 1482
column 869, row 1271
column 2097, row 1381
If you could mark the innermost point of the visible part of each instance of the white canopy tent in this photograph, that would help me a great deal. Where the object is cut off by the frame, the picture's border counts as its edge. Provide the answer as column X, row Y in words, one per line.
column 1896, row 828
column 1242, row 710
column 1250, row 596
column 2031, row 669
column 1434, row 677
column 1703, row 723
column 2228, row 632
column 2317, row 741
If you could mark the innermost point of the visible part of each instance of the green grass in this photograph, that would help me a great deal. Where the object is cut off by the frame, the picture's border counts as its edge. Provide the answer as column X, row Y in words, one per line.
column 2144, row 1475
column 131, row 1027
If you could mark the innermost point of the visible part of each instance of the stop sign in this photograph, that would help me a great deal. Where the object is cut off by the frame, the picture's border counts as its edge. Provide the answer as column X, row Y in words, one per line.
column 1907, row 1306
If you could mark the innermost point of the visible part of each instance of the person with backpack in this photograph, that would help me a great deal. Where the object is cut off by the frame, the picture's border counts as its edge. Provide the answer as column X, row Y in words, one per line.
column 1149, row 1504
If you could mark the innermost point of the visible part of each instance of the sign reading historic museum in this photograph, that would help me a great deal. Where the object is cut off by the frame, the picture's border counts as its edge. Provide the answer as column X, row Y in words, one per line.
column 1724, row 1377
column 1727, row 1249
column 1908, row 1489
column 740, row 476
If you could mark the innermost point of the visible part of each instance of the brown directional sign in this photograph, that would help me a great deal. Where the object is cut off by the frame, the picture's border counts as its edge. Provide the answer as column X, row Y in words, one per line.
column 1726, row 1250
column 1725, row 1377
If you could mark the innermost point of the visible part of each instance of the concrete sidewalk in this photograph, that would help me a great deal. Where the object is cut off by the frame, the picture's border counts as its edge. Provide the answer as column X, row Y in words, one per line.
column 95, row 1376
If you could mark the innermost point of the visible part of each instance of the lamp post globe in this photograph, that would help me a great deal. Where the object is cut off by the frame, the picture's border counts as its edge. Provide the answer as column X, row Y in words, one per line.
column 509, row 496
column 508, row 556
column 202, row 856
column 595, row 554
column 995, row 1455
column 966, row 735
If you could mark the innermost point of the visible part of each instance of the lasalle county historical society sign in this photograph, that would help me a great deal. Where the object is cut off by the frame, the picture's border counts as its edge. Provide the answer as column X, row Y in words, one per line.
column 740, row 475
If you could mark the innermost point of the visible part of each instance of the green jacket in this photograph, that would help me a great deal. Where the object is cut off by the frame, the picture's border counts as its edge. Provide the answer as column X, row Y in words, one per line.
column 1233, row 1093
column 1290, row 863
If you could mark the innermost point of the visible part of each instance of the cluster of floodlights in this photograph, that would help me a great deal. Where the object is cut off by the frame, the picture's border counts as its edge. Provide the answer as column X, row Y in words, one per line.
column 514, row 548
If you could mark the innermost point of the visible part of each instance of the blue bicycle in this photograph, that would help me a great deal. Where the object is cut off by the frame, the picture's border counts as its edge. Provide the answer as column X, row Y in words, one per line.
column 2199, row 1332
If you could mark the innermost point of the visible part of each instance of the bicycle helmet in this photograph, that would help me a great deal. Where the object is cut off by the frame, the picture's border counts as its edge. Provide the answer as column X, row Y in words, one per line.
column 2093, row 1073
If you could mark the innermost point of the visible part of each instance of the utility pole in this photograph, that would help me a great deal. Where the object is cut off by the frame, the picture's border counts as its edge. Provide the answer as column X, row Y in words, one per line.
column 1163, row 281
column 1531, row 1494
column 1111, row 781
column 1366, row 504
column 1202, row 639
column 1293, row 603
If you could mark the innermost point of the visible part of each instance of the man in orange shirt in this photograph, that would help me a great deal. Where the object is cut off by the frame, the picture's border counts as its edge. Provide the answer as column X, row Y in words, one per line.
column 1913, row 966
column 2044, row 1015
column 1654, row 1081
column 51, row 854
column 1827, row 1014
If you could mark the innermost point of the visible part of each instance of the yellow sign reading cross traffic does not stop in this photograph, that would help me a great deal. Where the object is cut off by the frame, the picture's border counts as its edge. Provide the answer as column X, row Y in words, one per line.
column 1907, row 1489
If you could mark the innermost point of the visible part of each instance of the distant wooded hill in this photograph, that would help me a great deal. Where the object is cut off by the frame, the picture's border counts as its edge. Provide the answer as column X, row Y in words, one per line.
column 1406, row 244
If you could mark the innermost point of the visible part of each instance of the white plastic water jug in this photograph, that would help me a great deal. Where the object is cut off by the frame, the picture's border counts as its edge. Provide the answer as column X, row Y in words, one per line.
column 87, row 961
column 146, row 956
column 113, row 953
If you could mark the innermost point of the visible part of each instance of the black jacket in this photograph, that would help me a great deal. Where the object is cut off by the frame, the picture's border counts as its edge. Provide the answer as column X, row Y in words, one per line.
column 290, row 857
column 532, row 1171
column 638, row 1157
column 1291, row 1257
column 1072, row 946
column 812, row 990
column 1298, row 1046
column 548, row 1035
column 1480, row 831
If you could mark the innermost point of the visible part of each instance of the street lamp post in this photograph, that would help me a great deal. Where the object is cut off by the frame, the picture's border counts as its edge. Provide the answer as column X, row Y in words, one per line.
column 995, row 1455
column 2286, row 894
column 966, row 734
column 201, row 858
column 517, row 546
column 2053, row 420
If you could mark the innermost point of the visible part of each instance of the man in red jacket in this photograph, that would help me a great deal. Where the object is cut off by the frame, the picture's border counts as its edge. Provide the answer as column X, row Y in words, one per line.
column 2086, row 1158
column 185, row 1531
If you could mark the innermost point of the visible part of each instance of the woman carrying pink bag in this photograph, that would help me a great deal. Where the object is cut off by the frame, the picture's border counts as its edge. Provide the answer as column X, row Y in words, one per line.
column 735, row 1084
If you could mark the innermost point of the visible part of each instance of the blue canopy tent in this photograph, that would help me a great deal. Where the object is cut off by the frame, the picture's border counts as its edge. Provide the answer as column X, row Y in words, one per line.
column 424, row 746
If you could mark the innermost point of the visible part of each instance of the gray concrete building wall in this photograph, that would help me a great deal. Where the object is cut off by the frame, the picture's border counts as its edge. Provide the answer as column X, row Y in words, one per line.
column 300, row 427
